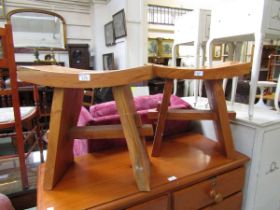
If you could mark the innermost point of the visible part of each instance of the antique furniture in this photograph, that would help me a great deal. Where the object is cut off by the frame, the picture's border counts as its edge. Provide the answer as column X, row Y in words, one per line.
column 13, row 117
column 79, row 56
column 254, row 24
column 262, row 145
column 195, row 159
column 36, row 28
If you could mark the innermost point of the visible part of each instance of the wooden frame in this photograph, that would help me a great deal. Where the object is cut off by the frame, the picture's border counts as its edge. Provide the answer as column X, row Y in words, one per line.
column 165, row 47
column 119, row 24
column 108, row 61
column 217, row 52
column 37, row 42
column 2, row 9
column 152, row 47
column 109, row 34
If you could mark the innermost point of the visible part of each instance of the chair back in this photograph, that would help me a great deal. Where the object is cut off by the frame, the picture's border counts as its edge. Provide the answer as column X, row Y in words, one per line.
column 9, row 95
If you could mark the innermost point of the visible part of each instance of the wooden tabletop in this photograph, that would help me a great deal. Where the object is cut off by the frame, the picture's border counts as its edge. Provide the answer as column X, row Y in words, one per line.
column 99, row 178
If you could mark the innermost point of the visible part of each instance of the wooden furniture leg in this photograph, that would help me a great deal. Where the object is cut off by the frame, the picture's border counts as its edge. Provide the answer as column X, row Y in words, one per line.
column 130, row 123
column 64, row 115
column 167, row 91
column 217, row 104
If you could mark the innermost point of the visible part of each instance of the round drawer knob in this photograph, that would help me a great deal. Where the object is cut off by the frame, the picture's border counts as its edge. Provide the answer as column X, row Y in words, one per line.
column 217, row 197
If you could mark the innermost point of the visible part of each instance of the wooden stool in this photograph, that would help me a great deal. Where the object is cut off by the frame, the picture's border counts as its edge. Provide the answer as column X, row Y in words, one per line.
column 218, row 111
column 68, row 93
column 67, row 100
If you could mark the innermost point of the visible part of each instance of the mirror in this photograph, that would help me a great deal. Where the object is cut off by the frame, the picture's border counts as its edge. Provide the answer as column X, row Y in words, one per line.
column 36, row 28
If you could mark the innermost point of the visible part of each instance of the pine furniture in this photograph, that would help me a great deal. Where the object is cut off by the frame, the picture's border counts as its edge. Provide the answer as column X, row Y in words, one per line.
column 205, row 159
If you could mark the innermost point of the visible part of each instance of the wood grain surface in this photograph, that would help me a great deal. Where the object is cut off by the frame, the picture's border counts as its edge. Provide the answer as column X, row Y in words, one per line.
column 105, row 180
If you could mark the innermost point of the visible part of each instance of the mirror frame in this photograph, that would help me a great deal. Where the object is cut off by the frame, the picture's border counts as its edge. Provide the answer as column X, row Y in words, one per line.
column 12, row 12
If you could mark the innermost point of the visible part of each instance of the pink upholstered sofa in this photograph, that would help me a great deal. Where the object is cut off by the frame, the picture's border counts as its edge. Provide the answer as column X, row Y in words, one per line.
column 106, row 114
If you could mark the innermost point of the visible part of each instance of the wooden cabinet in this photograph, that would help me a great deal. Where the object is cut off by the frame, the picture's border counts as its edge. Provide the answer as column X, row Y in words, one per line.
column 259, row 140
column 213, row 190
column 79, row 56
column 232, row 203
column 190, row 174
column 218, row 192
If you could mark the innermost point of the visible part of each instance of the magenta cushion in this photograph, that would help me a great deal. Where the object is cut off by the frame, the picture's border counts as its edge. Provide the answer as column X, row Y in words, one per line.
column 106, row 114
column 5, row 203
column 81, row 145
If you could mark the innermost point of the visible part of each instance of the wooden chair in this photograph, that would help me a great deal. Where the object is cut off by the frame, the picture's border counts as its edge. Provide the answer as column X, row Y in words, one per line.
column 68, row 86
column 13, row 118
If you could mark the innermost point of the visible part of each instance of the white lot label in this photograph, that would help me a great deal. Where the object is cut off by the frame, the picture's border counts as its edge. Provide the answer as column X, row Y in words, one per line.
column 84, row 77
column 172, row 178
column 198, row 73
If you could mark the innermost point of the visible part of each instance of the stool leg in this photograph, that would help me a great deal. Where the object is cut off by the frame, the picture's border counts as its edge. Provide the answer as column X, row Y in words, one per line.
column 217, row 104
column 130, row 124
column 65, row 111
column 167, row 92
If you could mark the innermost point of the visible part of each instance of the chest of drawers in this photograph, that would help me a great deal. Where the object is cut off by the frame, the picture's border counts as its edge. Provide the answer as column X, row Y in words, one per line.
column 190, row 174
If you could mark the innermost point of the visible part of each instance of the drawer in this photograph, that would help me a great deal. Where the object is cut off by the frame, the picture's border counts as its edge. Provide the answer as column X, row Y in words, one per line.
column 233, row 202
column 206, row 192
column 160, row 203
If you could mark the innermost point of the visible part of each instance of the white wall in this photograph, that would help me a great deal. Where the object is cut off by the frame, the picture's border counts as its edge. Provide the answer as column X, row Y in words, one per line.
column 102, row 14
column 128, row 51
